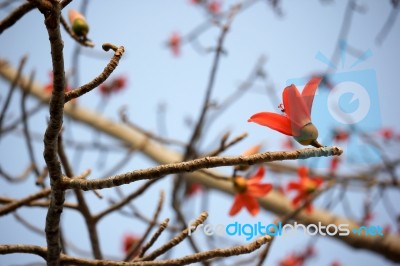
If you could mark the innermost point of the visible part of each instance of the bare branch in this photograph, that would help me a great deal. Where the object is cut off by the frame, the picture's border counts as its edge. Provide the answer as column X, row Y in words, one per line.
column 190, row 166
column 14, row 16
column 99, row 79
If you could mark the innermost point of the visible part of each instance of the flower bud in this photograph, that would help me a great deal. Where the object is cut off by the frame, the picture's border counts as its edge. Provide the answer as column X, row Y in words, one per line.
column 78, row 23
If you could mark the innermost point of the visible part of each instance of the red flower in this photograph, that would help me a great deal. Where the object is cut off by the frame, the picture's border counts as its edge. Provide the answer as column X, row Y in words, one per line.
column 305, row 187
column 174, row 43
column 292, row 260
column 248, row 191
column 129, row 240
column 336, row 263
column 214, row 7
column 297, row 119
column 115, row 85
column 251, row 151
column 192, row 189
column 196, row 2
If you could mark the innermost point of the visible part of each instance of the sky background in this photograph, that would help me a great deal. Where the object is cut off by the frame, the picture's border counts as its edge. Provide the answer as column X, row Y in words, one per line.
column 290, row 44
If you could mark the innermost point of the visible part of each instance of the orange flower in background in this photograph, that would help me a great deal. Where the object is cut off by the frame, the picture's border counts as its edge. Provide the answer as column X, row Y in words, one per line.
column 251, row 151
column 115, row 85
column 305, row 187
column 297, row 119
column 174, row 43
column 129, row 240
column 247, row 192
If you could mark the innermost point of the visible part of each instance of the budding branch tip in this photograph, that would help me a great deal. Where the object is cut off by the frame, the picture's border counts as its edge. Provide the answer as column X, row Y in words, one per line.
column 108, row 46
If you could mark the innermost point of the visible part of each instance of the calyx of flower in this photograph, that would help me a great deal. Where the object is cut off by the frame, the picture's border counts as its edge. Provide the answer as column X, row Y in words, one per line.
column 308, row 135
column 240, row 184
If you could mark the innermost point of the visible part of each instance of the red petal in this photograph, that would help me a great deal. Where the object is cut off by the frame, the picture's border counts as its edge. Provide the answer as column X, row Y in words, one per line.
column 277, row 122
column 257, row 177
column 309, row 208
column 318, row 181
column 309, row 92
column 259, row 190
column 296, row 200
column 251, row 204
column 302, row 172
column 237, row 205
column 295, row 108
column 293, row 185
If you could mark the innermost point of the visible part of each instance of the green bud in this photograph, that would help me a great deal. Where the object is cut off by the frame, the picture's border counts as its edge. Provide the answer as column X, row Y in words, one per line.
column 80, row 27
column 308, row 135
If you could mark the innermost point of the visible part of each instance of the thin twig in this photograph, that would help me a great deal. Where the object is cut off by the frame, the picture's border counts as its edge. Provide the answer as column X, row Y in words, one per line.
column 154, row 238
column 99, row 79
column 125, row 201
column 82, row 205
column 15, row 15
column 11, row 91
column 176, row 240
column 18, row 178
column 16, row 204
column 26, row 127
column 224, row 146
column 135, row 248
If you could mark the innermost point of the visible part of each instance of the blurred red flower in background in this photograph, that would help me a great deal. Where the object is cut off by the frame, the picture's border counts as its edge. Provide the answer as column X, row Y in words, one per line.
column 305, row 187
column 114, row 85
column 48, row 88
column 214, row 7
column 247, row 192
column 129, row 240
column 175, row 42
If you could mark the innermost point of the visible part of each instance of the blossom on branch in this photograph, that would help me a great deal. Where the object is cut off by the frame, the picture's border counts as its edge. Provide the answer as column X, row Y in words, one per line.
column 305, row 187
column 247, row 190
column 296, row 120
